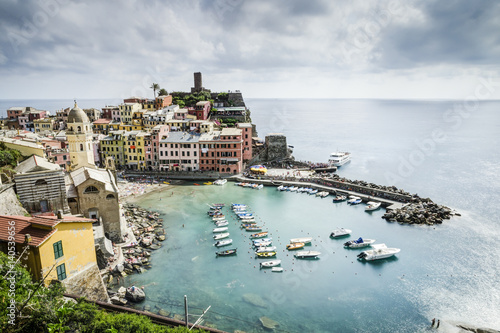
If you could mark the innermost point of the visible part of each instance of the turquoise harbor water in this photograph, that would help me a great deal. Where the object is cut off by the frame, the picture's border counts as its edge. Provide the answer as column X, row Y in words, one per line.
column 449, row 271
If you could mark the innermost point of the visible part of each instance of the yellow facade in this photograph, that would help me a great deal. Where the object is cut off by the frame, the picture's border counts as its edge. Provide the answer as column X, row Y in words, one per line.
column 113, row 145
column 26, row 148
column 77, row 239
column 45, row 124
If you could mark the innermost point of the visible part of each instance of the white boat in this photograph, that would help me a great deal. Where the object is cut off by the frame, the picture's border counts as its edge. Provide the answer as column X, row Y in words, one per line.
column 277, row 269
column 306, row 240
column 221, row 229
column 221, row 235
column 360, row 242
column 322, row 194
column 341, row 232
column 293, row 189
column 339, row 198
column 262, row 242
column 307, row 254
column 372, row 205
column 270, row 263
column 380, row 251
column 247, row 218
column 243, row 214
column 313, row 192
column 258, row 187
column 339, row 158
column 280, row 188
column 222, row 223
column 223, row 242
column 265, row 249
column 220, row 182
column 354, row 200
column 218, row 218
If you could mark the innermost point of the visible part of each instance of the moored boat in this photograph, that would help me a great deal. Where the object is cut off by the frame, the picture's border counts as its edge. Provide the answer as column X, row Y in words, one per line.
column 277, row 269
column 259, row 235
column 218, row 218
column 223, row 242
column 372, row 205
column 380, row 251
column 224, row 253
column 313, row 192
column 305, row 240
column 220, row 182
column 266, row 249
column 339, row 158
column 221, row 229
column 358, row 243
column 262, row 242
column 354, row 200
column 221, row 235
column 222, row 223
column 339, row 198
column 271, row 263
column 253, row 228
column 341, row 232
column 307, row 254
column 267, row 254
column 295, row 246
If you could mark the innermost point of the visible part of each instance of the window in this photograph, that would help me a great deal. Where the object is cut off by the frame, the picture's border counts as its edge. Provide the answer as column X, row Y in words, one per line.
column 41, row 182
column 58, row 250
column 81, row 146
column 110, row 196
column 91, row 189
column 61, row 272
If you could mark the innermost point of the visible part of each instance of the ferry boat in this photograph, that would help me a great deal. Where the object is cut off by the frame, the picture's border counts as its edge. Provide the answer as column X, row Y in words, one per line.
column 339, row 158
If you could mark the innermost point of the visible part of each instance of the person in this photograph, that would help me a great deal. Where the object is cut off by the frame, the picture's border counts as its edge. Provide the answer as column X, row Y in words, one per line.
column 439, row 321
column 433, row 321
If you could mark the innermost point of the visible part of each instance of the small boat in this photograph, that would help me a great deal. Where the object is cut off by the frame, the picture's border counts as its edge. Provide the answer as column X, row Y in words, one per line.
column 305, row 240
column 218, row 218
column 313, row 192
column 267, row 254
column 371, row 206
column 295, row 246
column 218, row 205
column 277, row 269
column 221, row 235
column 224, row 253
column 280, row 188
column 380, row 251
column 259, row 235
column 339, row 198
column 220, row 182
column 271, row 263
column 222, row 223
column 266, row 249
column 354, row 200
column 284, row 188
column 223, row 242
column 307, row 254
column 243, row 214
column 221, row 229
column 262, row 242
column 341, row 232
column 214, row 213
column 253, row 228
column 360, row 242
column 207, row 183
column 237, row 204
column 293, row 189
column 246, row 225
column 247, row 218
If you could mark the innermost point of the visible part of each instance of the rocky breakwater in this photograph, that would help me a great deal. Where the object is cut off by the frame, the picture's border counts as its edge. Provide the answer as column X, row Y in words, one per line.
column 420, row 211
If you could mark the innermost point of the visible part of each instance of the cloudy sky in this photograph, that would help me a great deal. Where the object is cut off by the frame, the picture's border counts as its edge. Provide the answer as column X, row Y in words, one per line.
column 265, row 48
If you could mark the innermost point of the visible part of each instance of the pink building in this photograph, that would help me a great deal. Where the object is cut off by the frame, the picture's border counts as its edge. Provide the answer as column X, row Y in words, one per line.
column 111, row 113
column 201, row 110
column 152, row 146
column 246, row 129
column 179, row 151
column 222, row 151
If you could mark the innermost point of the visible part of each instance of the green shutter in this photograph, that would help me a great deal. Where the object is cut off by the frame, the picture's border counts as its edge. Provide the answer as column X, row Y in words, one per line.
column 61, row 272
column 58, row 250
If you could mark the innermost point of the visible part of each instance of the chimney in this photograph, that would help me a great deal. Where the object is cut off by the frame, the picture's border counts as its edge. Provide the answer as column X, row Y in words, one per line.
column 59, row 214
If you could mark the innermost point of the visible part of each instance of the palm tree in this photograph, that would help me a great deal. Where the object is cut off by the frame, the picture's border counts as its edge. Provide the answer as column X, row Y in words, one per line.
column 162, row 92
column 155, row 86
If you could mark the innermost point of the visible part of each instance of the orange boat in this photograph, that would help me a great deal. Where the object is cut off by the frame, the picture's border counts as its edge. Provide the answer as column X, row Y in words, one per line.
column 295, row 246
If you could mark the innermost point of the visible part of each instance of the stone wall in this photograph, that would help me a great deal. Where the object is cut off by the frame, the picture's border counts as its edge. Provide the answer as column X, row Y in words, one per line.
column 88, row 283
column 9, row 205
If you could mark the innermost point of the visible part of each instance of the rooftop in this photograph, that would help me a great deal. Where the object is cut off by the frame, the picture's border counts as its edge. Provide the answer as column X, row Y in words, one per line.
column 181, row 137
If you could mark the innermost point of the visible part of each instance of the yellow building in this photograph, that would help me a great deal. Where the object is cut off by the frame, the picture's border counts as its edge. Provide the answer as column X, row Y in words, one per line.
column 43, row 125
column 113, row 145
column 27, row 148
column 134, row 150
column 127, row 111
column 60, row 248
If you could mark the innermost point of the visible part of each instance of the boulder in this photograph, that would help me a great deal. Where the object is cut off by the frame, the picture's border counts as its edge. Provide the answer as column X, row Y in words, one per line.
column 268, row 323
column 121, row 292
column 255, row 300
column 163, row 313
column 135, row 294
column 118, row 301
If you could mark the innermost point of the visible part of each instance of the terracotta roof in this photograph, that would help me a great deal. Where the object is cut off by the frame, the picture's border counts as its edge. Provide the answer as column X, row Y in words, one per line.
column 24, row 225
column 102, row 121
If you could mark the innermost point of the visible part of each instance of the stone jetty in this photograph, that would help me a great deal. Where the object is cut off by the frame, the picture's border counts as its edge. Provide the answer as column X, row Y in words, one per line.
column 421, row 211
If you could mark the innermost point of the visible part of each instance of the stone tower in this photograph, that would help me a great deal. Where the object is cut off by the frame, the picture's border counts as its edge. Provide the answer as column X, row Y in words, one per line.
column 198, row 84
column 79, row 135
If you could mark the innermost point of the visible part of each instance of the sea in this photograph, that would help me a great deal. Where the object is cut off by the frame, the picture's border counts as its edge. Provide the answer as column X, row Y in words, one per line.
column 447, row 150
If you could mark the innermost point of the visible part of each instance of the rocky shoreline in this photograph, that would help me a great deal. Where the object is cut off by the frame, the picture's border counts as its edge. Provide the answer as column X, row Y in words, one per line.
column 422, row 211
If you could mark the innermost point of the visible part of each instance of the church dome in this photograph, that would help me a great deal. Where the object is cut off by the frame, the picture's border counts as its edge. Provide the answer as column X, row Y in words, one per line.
column 77, row 115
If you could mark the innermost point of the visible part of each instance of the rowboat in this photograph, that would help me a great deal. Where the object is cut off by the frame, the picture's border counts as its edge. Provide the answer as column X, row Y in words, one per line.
column 265, row 254
column 262, row 242
column 245, row 225
column 295, row 246
column 221, row 229
column 259, row 234
column 271, row 263
column 305, row 240
column 221, row 235
column 218, row 218
column 307, row 254
column 266, row 249
column 221, row 223
column 225, row 252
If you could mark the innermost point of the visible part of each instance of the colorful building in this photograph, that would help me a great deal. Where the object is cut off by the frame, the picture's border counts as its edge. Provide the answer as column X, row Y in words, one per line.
column 179, row 151
column 113, row 145
column 247, row 131
column 221, row 151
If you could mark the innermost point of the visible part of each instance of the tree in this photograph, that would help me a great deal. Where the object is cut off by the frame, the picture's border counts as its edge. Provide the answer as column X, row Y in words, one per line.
column 162, row 92
column 155, row 87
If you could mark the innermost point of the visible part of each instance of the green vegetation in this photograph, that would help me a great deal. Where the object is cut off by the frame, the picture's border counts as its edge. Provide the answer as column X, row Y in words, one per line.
column 190, row 100
column 162, row 92
column 155, row 87
column 48, row 311
column 9, row 156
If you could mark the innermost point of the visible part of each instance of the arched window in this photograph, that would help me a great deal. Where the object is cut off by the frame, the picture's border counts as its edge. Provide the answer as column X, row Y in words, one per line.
column 110, row 196
column 228, row 170
column 71, row 200
column 40, row 182
column 81, row 146
column 79, row 128
column 91, row 189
